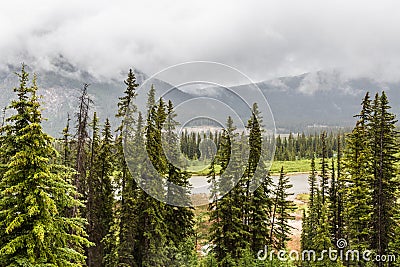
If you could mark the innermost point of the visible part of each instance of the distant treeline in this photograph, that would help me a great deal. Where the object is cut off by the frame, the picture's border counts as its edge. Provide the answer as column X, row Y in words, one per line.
column 302, row 146
column 288, row 147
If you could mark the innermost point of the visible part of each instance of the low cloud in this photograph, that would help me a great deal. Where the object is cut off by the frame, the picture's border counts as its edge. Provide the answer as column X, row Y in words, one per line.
column 264, row 39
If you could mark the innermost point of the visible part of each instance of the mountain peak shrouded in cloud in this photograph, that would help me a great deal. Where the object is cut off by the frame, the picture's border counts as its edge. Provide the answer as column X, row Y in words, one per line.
column 63, row 64
column 264, row 39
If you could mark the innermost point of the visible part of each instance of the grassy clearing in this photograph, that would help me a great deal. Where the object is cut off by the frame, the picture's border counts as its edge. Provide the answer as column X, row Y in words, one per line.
column 201, row 169
column 303, row 165
column 303, row 197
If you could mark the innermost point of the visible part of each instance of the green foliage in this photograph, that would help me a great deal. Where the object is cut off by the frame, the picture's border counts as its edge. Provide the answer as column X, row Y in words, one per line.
column 301, row 146
column 34, row 193
column 363, row 197
column 281, row 213
column 123, row 233
column 310, row 219
column 241, row 219
column 301, row 165
column 101, row 193
column 386, row 185
column 226, row 230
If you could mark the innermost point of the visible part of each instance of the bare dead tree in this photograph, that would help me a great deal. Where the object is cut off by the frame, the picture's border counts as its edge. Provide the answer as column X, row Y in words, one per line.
column 81, row 137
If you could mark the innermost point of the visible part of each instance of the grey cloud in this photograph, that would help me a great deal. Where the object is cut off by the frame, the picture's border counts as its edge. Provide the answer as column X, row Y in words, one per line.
column 264, row 39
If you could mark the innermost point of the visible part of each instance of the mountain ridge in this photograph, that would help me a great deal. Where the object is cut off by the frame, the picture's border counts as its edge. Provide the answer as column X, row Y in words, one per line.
column 321, row 98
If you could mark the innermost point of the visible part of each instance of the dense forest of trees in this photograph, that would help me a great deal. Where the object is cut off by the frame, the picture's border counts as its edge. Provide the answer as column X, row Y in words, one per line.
column 361, row 203
column 92, row 197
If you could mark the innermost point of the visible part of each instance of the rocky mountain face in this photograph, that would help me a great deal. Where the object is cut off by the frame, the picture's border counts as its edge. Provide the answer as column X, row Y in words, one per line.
column 61, row 86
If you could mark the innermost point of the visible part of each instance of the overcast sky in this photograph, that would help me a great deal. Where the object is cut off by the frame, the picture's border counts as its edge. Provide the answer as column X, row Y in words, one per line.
column 264, row 39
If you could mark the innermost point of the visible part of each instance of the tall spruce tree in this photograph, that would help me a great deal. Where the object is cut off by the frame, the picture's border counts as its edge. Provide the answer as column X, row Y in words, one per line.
column 226, row 232
column 283, row 208
column 101, row 202
column 322, row 239
column 311, row 218
column 94, row 257
column 358, row 181
column 258, row 202
column 34, row 192
column 128, row 188
column 384, row 150
column 333, row 200
column 179, row 219
column 324, row 169
column 151, row 226
column 339, row 189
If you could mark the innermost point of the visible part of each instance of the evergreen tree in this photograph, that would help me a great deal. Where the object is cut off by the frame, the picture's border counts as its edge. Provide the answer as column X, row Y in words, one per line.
column 130, row 213
column 324, row 169
column 34, row 193
column 257, row 205
column 322, row 239
column 179, row 219
column 94, row 253
column 151, row 226
column 101, row 208
column 310, row 219
column 213, row 209
column 126, row 105
column 261, row 209
column 384, row 150
column 339, row 189
column 227, row 231
column 105, row 169
column 124, row 225
column 370, row 186
column 358, row 191
column 333, row 200
column 282, row 209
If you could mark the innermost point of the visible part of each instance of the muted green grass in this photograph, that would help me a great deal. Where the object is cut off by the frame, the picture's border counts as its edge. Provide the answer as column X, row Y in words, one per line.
column 296, row 166
column 303, row 165
column 303, row 197
column 198, row 168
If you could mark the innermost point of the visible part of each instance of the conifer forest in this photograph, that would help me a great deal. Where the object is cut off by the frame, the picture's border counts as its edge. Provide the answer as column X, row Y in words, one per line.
column 100, row 193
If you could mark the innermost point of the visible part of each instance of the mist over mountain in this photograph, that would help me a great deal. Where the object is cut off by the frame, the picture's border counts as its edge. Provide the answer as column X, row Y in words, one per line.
column 61, row 86
column 316, row 100
column 324, row 98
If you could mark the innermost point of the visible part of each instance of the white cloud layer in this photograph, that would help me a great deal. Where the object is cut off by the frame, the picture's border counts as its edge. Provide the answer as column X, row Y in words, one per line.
column 264, row 39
